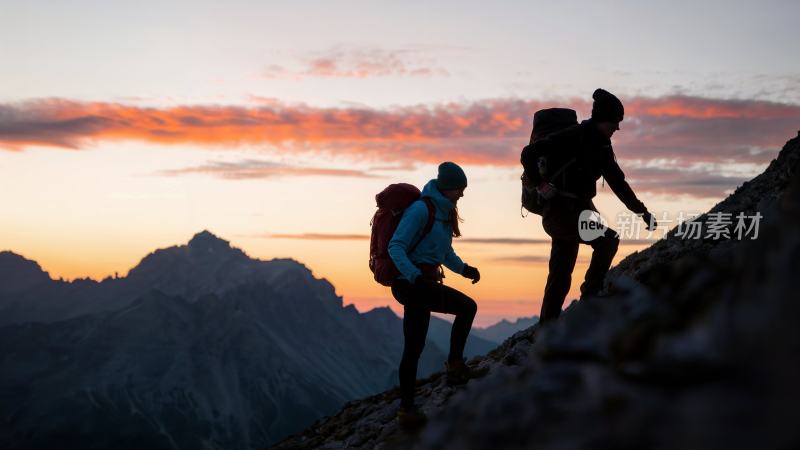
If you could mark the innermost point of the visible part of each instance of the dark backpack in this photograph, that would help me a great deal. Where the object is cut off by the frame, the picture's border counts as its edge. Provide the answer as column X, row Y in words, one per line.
column 546, row 122
column 392, row 201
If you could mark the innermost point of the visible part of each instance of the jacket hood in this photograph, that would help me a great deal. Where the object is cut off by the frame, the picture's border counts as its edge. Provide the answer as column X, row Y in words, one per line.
column 443, row 205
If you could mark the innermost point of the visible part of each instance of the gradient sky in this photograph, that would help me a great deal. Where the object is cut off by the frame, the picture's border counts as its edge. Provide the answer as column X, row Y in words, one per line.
column 129, row 126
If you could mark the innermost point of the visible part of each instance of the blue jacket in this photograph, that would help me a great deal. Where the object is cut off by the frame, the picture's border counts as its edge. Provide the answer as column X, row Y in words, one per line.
column 436, row 247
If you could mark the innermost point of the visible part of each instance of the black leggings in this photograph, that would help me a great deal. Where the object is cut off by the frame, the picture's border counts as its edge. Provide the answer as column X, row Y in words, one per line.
column 418, row 304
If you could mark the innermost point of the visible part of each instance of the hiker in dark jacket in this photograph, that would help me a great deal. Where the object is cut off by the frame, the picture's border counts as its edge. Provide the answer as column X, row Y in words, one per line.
column 419, row 287
column 585, row 153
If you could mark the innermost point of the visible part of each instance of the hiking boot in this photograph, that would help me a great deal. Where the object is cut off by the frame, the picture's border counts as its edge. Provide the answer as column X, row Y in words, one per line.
column 411, row 418
column 458, row 372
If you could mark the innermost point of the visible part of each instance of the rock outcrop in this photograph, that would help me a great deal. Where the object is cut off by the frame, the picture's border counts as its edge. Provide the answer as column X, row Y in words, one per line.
column 694, row 347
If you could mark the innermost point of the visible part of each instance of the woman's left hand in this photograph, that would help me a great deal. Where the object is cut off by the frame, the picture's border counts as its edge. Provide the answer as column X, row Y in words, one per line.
column 472, row 273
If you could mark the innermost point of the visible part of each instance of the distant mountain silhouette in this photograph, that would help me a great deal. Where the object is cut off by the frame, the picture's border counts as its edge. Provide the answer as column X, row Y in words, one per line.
column 500, row 331
column 438, row 332
column 18, row 274
column 206, row 265
column 200, row 345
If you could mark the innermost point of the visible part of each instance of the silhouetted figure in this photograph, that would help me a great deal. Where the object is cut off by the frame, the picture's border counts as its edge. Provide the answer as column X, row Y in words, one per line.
column 567, row 165
column 419, row 288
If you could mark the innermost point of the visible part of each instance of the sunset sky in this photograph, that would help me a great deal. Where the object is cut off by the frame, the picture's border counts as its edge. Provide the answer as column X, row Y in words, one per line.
column 131, row 126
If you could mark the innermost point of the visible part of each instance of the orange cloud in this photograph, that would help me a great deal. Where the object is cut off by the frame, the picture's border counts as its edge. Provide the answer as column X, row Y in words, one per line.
column 703, row 108
column 473, row 131
column 488, row 132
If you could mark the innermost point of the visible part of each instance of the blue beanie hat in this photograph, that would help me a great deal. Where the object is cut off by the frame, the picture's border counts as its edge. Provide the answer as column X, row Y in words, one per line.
column 450, row 177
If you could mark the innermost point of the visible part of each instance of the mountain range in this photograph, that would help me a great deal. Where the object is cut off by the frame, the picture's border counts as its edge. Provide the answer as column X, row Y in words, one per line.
column 199, row 346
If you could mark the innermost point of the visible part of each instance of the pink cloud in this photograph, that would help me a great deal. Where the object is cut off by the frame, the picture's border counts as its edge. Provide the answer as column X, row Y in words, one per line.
column 532, row 259
column 254, row 169
column 488, row 132
column 476, row 241
column 708, row 183
column 318, row 236
column 360, row 63
column 474, row 131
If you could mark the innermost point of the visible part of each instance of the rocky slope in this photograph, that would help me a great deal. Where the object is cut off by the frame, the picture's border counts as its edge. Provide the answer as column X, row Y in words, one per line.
column 758, row 195
column 695, row 347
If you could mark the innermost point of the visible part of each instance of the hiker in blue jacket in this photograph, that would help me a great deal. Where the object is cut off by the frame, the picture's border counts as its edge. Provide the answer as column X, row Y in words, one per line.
column 419, row 257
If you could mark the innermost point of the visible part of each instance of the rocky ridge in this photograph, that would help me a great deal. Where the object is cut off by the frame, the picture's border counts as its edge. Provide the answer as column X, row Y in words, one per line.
column 694, row 347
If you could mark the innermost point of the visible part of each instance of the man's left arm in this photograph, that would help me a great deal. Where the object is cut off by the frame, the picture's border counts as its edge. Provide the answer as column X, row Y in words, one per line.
column 616, row 180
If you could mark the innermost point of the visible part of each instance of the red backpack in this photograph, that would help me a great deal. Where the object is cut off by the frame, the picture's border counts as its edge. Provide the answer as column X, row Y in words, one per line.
column 392, row 201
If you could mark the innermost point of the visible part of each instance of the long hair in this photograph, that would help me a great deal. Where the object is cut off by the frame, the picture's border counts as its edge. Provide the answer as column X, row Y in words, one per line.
column 454, row 220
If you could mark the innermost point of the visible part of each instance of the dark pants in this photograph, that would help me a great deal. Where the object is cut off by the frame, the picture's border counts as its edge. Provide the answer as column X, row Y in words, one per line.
column 562, row 226
column 418, row 304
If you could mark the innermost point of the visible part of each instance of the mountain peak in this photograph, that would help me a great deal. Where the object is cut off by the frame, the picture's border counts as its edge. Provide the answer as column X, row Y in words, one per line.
column 383, row 312
column 19, row 272
column 8, row 257
column 11, row 263
column 207, row 241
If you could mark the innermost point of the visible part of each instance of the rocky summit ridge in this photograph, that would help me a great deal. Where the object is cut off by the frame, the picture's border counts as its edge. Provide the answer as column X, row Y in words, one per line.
column 694, row 347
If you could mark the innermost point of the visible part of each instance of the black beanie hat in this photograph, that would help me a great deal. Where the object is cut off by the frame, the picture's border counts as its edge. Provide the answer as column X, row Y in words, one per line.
column 606, row 107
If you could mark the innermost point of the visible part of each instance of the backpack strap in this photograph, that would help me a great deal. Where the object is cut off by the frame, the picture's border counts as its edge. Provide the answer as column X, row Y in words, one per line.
column 431, row 215
column 428, row 224
column 565, row 166
column 558, row 172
